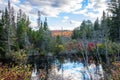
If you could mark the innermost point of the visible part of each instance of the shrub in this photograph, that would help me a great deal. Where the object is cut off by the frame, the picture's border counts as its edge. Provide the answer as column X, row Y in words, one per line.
column 18, row 72
column 91, row 46
column 80, row 46
column 18, row 56
column 59, row 48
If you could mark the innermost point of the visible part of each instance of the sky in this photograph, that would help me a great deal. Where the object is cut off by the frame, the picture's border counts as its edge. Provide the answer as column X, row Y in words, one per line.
column 61, row 14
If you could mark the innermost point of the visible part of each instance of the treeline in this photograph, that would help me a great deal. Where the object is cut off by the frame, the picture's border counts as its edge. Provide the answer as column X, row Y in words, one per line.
column 108, row 27
column 16, row 33
column 90, row 30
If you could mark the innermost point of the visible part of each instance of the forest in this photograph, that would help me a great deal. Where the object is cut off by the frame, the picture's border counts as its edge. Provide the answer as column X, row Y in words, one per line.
column 22, row 48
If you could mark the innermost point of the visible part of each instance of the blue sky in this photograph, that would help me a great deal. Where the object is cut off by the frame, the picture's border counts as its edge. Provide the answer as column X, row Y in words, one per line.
column 61, row 14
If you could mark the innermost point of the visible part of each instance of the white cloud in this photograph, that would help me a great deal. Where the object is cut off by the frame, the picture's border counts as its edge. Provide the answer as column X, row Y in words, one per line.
column 15, row 1
column 75, row 23
column 94, row 9
column 55, row 7
column 55, row 27
column 59, row 27
column 68, row 25
column 2, row 4
column 84, row 11
column 72, row 23
column 25, row 8
column 52, row 8
column 33, row 25
column 66, row 17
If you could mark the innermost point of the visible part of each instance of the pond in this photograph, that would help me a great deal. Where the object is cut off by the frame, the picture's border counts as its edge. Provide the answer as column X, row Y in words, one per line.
column 70, row 70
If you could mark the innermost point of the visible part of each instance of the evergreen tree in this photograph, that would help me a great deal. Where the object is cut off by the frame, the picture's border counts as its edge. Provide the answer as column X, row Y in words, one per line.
column 45, row 24
column 12, row 27
column 22, row 25
column 4, row 31
column 85, row 30
column 75, row 34
column 96, row 25
column 108, row 21
column 103, row 21
column 104, row 27
column 114, row 31
column 5, row 19
column 3, row 38
column 82, row 26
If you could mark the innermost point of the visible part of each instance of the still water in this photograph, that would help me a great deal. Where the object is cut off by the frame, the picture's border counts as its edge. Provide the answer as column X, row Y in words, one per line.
column 72, row 71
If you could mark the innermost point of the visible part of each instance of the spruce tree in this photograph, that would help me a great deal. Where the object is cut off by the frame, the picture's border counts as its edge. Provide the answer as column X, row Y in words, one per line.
column 96, row 25
column 22, row 25
column 45, row 24
column 114, row 31
column 3, row 33
column 2, row 39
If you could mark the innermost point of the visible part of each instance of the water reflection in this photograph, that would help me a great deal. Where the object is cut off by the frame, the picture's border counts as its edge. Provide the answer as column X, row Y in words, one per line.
column 67, row 69
column 76, row 71
column 34, row 75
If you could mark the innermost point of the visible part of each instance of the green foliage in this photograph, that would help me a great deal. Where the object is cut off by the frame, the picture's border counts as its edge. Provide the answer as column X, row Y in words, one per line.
column 22, row 27
column 51, row 45
column 114, row 7
column 96, row 24
column 18, row 56
column 3, row 33
column 15, row 57
column 75, row 34
column 40, row 38
column 103, row 21
column 2, row 49
column 59, row 48
column 85, row 30
column 58, row 40
column 45, row 25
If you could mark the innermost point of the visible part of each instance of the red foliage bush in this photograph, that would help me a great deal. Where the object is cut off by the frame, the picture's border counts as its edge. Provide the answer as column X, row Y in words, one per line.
column 91, row 46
